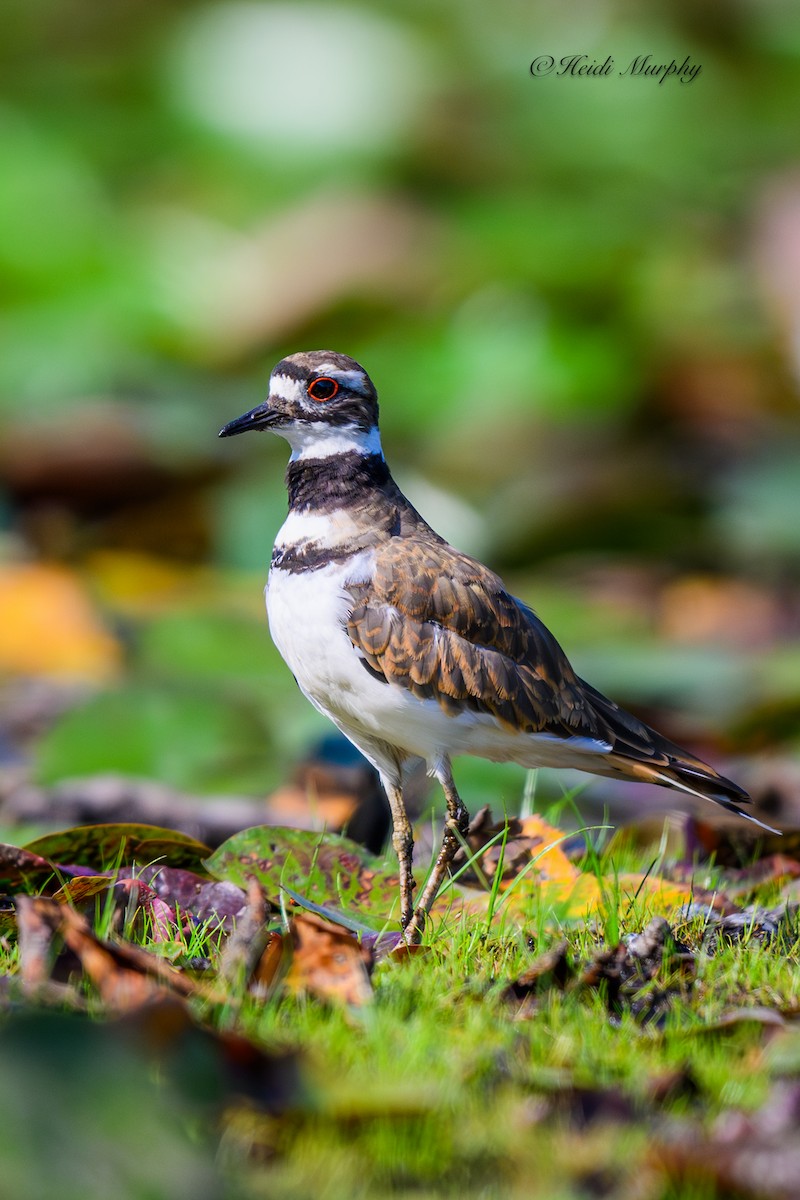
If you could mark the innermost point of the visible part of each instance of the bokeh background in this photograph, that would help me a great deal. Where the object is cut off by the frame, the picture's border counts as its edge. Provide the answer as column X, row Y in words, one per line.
column 579, row 299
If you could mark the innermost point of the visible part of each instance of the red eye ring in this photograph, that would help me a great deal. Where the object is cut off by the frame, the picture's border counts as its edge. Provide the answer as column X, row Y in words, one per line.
column 322, row 388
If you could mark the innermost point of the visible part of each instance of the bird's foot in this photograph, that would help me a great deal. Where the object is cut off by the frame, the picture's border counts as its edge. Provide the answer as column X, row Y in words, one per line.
column 412, row 929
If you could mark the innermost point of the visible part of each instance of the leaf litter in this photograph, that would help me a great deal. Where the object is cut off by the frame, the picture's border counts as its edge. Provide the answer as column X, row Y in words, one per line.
column 149, row 927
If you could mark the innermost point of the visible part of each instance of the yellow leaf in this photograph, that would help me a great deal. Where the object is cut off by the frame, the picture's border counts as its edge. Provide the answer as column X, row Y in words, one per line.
column 661, row 892
column 138, row 583
column 550, row 860
column 581, row 898
column 549, row 882
column 48, row 626
column 572, row 899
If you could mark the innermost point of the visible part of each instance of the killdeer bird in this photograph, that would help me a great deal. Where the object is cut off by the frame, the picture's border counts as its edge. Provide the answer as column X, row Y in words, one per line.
column 412, row 648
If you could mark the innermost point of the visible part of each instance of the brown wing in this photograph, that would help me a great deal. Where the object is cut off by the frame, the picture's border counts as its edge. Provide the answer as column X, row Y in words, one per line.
column 443, row 626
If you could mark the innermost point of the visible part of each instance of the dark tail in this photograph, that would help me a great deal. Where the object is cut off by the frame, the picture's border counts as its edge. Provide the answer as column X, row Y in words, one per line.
column 639, row 752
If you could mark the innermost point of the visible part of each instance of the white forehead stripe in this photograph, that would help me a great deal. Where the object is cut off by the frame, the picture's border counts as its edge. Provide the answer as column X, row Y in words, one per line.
column 285, row 387
column 289, row 389
column 345, row 378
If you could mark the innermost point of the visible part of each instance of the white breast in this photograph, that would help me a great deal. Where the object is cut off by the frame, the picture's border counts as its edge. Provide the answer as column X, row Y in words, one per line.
column 308, row 611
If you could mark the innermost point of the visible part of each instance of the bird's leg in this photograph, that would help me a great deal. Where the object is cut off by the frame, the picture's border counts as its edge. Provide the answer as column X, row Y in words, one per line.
column 403, row 842
column 457, row 824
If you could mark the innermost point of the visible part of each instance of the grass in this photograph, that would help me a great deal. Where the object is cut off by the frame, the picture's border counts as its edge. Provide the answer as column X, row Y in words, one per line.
column 440, row 1088
column 437, row 1090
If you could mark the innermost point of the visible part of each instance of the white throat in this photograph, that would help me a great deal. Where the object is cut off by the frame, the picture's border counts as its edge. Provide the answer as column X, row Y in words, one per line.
column 320, row 439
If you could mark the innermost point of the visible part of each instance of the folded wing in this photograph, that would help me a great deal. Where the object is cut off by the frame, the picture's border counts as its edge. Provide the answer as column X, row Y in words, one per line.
column 443, row 626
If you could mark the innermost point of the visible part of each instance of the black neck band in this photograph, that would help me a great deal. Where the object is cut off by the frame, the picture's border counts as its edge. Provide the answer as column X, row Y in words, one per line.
column 341, row 481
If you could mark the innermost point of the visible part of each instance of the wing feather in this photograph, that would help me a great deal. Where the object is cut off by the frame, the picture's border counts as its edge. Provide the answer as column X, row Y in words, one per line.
column 443, row 626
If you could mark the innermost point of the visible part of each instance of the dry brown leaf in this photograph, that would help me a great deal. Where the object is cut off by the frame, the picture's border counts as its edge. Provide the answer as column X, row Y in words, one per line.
column 643, row 975
column 125, row 975
column 328, row 961
column 269, row 965
column 245, row 945
column 121, row 986
column 527, row 839
column 551, row 969
column 36, row 927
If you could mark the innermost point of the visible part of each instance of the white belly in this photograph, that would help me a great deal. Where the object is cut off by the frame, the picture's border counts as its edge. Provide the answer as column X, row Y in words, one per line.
column 307, row 613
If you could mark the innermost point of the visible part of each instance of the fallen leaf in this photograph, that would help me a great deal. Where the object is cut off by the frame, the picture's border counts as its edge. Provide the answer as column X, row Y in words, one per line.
column 550, row 970
column 661, row 893
column 49, row 626
column 124, row 975
column 115, row 844
column 546, row 848
column 324, row 869
column 327, row 962
column 164, row 924
column 189, row 894
column 77, row 892
column 23, row 868
column 757, row 1015
column 36, row 930
column 756, row 925
column 120, row 984
column 643, row 975
column 523, row 841
column 220, row 902
column 272, row 960
column 245, row 945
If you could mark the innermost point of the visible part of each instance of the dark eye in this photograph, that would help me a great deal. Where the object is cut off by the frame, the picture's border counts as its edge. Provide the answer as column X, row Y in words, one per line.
column 323, row 388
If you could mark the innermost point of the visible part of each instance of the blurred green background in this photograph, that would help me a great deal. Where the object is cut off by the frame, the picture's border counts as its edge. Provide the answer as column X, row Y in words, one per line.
column 579, row 299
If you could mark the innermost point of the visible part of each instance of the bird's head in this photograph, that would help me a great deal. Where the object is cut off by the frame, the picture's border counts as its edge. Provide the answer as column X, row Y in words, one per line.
column 322, row 402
